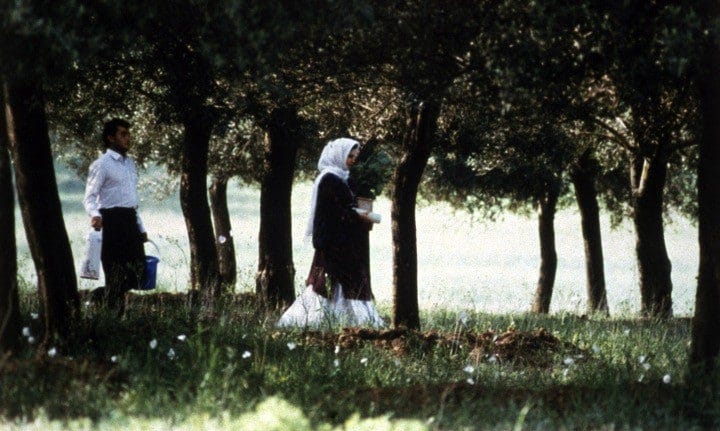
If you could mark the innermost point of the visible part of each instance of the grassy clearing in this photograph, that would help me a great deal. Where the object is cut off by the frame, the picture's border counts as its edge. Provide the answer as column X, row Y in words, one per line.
column 463, row 263
column 159, row 367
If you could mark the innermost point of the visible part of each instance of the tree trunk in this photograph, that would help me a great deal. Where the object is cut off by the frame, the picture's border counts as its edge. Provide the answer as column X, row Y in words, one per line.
column 583, row 177
column 706, row 323
column 223, row 230
column 648, row 180
column 204, row 275
column 417, row 146
column 548, row 255
column 41, row 209
column 9, row 306
column 275, row 279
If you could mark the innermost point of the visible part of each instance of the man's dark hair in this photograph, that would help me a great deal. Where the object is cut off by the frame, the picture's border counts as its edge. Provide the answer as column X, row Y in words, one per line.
column 111, row 127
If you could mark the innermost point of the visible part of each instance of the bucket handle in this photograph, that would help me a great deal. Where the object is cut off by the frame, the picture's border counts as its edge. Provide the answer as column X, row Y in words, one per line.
column 157, row 249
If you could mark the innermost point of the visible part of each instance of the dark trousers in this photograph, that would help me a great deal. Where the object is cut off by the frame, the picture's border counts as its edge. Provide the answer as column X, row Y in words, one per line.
column 123, row 255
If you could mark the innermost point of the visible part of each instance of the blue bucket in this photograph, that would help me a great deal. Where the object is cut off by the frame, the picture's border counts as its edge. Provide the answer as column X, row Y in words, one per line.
column 151, row 263
column 150, row 279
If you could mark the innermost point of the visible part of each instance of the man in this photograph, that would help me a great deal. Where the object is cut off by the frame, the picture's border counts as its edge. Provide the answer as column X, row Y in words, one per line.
column 111, row 202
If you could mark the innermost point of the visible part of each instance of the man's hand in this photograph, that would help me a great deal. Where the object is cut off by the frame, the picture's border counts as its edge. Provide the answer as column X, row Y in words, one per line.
column 96, row 223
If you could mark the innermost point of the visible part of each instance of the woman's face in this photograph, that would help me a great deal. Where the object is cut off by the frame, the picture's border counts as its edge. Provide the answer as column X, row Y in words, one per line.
column 350, row 161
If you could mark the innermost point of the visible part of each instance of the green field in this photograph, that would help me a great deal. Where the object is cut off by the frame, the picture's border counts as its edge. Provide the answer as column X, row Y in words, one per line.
column 464, row 264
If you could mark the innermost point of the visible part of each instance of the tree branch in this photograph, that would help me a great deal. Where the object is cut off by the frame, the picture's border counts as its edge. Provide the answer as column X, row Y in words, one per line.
column 620, row 139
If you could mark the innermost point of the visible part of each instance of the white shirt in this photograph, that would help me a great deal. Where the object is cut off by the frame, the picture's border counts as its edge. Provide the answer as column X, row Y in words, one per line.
column 112, row 183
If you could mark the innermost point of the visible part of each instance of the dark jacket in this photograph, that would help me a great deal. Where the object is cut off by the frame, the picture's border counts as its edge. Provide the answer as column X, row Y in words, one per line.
column 337, row 231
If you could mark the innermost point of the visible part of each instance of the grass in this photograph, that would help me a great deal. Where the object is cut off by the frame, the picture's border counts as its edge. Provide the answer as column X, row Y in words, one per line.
column 161, row 367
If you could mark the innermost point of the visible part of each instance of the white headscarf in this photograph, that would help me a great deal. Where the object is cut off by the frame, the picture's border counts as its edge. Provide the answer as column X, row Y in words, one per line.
column 332, row 161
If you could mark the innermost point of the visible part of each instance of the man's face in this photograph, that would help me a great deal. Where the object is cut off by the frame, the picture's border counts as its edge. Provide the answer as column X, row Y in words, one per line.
column 121, row 138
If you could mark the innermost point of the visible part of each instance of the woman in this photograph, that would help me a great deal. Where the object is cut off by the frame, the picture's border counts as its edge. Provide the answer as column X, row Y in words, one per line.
column 338, row 284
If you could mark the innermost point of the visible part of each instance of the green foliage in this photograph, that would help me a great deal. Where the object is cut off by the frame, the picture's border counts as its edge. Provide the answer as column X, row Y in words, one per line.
column 272, row 414
column 370, row 175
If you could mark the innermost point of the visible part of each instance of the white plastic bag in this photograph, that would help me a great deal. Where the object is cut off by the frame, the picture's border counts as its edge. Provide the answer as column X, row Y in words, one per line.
column 91, row 261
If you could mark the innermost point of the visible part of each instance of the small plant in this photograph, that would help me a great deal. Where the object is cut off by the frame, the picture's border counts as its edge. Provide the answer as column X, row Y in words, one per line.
column 371, row 173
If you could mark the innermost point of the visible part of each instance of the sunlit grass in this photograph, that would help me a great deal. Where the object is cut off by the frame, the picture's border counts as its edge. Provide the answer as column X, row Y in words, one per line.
column 462, row 264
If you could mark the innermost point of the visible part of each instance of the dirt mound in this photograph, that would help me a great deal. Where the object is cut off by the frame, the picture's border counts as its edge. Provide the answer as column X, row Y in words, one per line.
column 533, row 348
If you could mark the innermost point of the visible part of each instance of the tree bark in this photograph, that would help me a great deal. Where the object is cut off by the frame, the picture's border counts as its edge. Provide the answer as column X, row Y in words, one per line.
column 648, row 180
column 204, row 275
column 547, row 206
column 40, row 207
column 417, row 146
column 275, row 279
column 706, row 322
column 583, row 178
column 9, row 305
column 223, row 230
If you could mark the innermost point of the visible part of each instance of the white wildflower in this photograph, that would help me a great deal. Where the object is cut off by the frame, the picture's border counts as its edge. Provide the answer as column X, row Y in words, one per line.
column 666, row 379
column 337, row 349
column 114, row 359
column 222, row 239
column 569, row 361
column 291, row 345
column 470, row 381
column 246, row 354
column 26, row 331
column 469, row 369
column 463, row 318
column 336, row 363
column 87, row 303
column 646, row 366
column 153, row 343
column 492, row 359
column 182, row 337
column 31, row 340
column 34, row 316
column 364, row 361
column 565, row 372
column 626, row 331
column 52, row 352
column 640, row 379
column 642, row 358
column 171, row 354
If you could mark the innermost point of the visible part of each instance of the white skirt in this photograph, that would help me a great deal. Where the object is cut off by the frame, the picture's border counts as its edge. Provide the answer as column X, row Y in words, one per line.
column 313, row 310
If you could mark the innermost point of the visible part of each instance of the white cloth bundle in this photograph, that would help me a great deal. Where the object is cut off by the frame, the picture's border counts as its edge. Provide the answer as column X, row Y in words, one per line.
column 375, row 217
column 91, row 261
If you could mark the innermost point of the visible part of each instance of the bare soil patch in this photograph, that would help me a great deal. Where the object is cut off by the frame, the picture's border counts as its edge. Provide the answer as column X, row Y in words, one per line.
column 528, row 348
